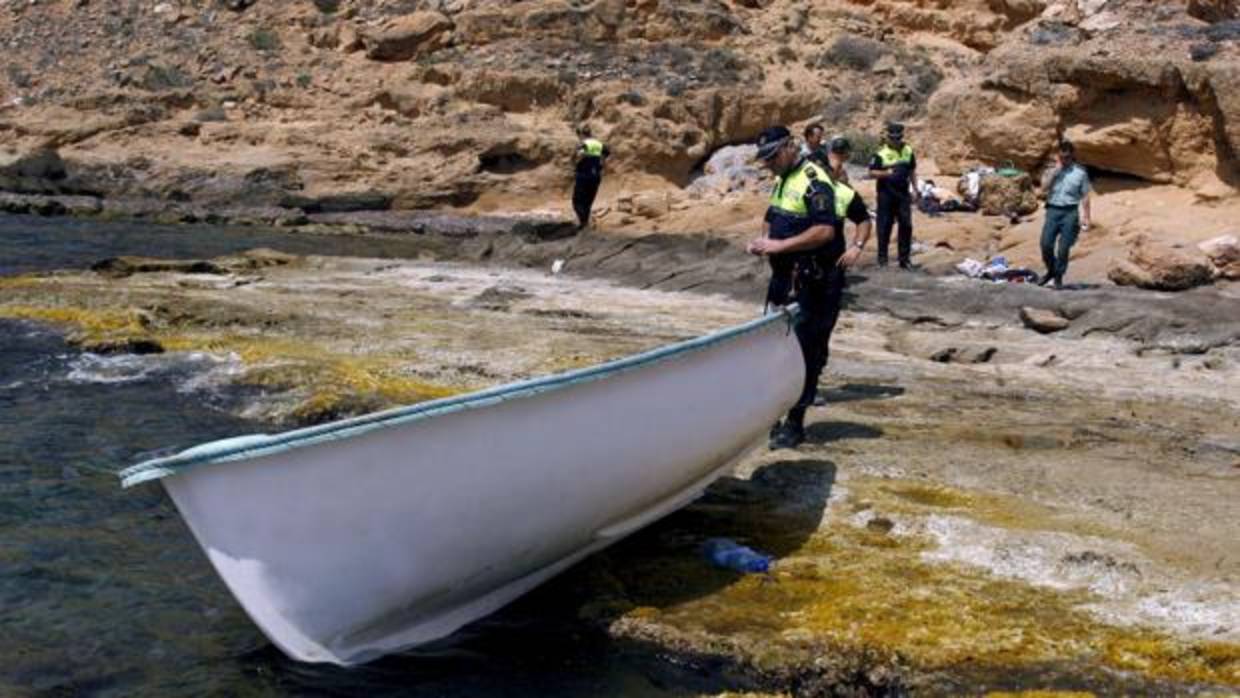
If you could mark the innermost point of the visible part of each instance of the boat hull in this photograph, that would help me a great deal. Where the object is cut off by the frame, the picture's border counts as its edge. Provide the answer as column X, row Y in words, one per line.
column 347, row 544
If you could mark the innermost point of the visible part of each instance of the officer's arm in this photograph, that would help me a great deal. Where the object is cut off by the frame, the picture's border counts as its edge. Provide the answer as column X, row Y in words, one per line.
column 813, row 238
column 877, row 171
column 860, row 216
column 820, row 204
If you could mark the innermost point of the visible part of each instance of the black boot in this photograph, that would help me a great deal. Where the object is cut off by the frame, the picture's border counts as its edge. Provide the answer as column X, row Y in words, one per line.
column 790, row 434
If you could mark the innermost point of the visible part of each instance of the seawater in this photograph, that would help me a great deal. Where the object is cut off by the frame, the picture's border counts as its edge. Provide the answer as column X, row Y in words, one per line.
column 103, row 591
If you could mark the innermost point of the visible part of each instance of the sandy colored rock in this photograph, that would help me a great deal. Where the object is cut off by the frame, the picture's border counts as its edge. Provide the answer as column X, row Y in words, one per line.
column 1042, row 320
column 1154, row 119
column 972, row 125
column 1000, row 195
column 1158, row 266
column 1224, row 254
column 408, row 37
column 1122, row 148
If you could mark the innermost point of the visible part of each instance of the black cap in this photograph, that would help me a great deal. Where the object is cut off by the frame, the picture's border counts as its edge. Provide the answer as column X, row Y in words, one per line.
column 771, row 140
column 840, row 144
column 895, row 130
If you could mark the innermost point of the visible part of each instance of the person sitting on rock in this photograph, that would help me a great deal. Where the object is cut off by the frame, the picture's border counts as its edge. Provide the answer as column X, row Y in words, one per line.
column 591, row 156
column 1067, row 189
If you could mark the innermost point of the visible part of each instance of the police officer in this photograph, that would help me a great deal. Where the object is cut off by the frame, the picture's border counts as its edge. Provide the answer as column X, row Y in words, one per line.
column 803, row 238
column 895, row 168
column 591, row 155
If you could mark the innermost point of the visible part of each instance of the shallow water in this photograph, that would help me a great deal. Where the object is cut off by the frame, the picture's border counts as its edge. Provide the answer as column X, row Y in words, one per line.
column 104, row 592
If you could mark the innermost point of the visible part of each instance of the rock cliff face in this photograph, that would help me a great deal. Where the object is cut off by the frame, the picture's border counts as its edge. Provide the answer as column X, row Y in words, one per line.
column 1141, row 88
column 421, row 103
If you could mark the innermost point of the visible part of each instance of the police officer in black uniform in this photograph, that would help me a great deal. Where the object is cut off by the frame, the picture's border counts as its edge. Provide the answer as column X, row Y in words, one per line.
column 895, row 167
column 591, row 156
column 803, row 238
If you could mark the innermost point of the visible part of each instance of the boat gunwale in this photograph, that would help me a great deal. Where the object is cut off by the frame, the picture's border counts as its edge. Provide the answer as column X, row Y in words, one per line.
column 268, row 444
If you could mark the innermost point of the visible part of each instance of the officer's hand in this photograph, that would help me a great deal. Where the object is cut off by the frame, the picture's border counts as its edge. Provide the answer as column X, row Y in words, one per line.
column 763, row 246
column 849, row 258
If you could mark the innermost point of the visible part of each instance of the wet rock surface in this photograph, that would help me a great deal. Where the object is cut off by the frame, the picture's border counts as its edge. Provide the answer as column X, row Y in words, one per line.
column 1057, row 515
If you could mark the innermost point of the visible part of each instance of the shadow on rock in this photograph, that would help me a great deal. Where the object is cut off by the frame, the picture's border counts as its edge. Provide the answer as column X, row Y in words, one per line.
column 821, row 433
column 856, row 392
column 774, row 512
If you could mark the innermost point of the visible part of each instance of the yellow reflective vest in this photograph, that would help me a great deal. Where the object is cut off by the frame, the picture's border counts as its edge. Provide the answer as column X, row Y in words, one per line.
column 592, row 147
column 788, row 197
column 890, row 156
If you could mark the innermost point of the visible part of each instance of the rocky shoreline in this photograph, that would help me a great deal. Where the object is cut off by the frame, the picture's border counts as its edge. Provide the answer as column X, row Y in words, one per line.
column 981, row 506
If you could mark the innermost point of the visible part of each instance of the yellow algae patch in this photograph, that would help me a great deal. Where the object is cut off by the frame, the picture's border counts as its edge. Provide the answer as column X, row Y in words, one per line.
column 1213, row 662
column 563, row 364
column 19, row 281
column 336, row 383
column 916, row 497
column 930, row 495
column 93, row 322
column 1039, row 694
column 854, row 591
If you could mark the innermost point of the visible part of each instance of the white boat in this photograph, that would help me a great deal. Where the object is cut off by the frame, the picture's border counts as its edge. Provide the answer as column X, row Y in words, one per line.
column 367, row 536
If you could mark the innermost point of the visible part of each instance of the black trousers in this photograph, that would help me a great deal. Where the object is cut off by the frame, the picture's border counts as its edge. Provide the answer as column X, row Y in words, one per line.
column 584, row 191
column 893, row 210
column 820, row 302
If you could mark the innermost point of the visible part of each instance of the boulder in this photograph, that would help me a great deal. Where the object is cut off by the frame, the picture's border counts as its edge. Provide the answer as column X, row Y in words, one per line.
column 40, row 163
column 971, row 124
column 731, row 168
column 1042, row 320
column 1001, row 195
column 644, row 204
column 1160, row 267
column 1122, row 147
column 1224, row 254
column 407, row 37
column 1214, row 10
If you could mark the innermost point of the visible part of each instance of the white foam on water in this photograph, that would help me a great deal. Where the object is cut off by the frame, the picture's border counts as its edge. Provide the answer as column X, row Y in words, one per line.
column 92, row 368
column 215, row 371
column 130, row 368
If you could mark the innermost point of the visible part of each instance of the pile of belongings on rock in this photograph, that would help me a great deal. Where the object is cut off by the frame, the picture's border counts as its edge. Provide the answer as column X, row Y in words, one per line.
column 996, row 270
column 933, row 200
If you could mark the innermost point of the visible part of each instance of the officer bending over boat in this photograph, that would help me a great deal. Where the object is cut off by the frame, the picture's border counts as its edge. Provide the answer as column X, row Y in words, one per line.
column 803, row 239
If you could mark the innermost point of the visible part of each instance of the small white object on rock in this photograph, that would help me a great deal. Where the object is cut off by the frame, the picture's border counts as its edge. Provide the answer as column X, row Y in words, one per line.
column 557, row 266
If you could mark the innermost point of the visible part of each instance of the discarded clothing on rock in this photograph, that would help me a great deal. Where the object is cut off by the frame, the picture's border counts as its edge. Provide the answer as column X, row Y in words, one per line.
column 996, row 270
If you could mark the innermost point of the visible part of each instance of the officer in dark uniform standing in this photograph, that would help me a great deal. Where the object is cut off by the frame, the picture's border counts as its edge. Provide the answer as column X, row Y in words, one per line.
column 591, row 155
column 895, row 168
column 803, row 238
